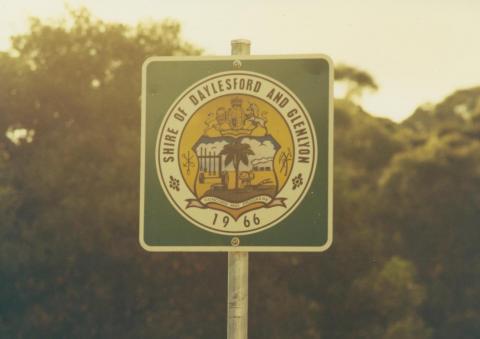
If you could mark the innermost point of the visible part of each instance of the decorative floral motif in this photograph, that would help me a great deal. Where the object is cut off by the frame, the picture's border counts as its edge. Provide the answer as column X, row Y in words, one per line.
column 174, row 183
column 297, row 181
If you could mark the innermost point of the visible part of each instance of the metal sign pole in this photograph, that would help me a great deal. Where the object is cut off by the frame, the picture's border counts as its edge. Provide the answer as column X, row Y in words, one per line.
column 237, row 308
column 237, row 313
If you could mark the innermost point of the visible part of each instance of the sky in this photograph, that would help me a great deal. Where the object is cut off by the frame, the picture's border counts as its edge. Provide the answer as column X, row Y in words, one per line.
column 418, row 51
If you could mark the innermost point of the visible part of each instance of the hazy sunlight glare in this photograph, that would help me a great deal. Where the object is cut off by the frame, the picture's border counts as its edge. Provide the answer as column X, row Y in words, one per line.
column 417, row 52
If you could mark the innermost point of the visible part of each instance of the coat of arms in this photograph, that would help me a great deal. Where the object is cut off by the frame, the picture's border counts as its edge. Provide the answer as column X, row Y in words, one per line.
column 236, row 153
column 235, row 157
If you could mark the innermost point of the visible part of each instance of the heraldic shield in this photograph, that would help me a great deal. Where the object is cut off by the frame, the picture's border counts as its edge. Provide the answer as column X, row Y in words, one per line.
column 236, row 165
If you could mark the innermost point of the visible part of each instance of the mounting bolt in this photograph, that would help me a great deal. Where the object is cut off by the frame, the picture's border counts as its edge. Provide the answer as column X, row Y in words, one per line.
column 235, row 241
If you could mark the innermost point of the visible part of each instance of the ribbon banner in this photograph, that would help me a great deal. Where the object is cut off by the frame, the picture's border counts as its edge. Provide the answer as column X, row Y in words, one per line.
column 266, row 200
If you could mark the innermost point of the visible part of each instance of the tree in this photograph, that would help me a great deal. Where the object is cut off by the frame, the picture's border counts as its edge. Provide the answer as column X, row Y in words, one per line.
column 356, row 81
column 429, row 194
column 236, row 153
column 68, row 225
column 404, row 263
column 456, row 111
column 393, row 296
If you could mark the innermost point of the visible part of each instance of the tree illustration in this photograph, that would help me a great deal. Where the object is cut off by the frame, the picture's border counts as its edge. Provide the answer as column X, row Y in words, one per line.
column 235, row 153
column 284, row 160
column 188, row 161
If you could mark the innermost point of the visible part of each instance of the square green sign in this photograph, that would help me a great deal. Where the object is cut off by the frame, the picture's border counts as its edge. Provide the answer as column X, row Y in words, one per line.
column 237, row 153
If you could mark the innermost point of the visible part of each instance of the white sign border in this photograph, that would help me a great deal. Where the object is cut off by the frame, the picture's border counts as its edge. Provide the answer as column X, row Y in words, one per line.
column 239, row 248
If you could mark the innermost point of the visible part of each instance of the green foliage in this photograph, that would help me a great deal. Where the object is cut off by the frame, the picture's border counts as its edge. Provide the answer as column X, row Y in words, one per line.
column 456, row 111
column 356, row 80
column 392, row 294
column 404, row 263
column 432, row 193
column 408, row 328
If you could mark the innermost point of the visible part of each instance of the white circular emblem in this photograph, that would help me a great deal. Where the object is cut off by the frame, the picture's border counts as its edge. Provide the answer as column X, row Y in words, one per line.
column 236, row 153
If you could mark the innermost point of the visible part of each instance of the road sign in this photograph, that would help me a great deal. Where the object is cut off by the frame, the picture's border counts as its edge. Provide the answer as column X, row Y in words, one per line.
column 236, row 153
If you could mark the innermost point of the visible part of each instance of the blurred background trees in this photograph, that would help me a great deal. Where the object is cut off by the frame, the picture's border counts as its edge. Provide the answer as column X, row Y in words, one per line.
column 405, row 260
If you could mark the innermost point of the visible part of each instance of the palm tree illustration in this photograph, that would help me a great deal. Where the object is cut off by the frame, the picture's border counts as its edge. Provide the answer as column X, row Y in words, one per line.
column 236, row 153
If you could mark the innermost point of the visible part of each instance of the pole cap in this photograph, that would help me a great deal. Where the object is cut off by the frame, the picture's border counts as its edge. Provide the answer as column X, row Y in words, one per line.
column 241, row 41
column 240, row 47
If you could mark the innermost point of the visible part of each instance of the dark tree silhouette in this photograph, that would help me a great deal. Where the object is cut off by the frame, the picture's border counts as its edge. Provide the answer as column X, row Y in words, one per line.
column 236, row 152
